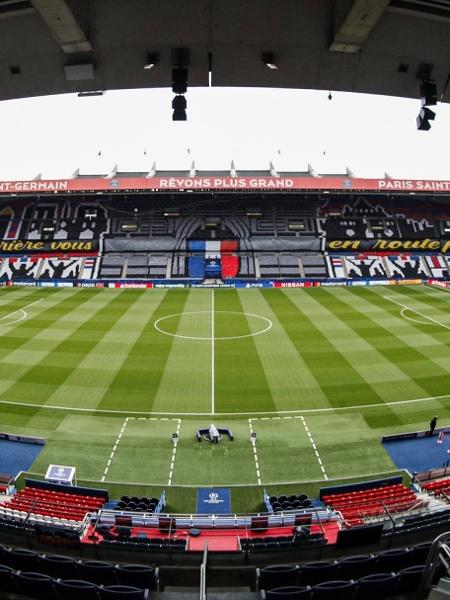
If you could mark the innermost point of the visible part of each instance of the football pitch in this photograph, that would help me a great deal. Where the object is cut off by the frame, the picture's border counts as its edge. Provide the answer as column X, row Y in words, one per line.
column 107, row 376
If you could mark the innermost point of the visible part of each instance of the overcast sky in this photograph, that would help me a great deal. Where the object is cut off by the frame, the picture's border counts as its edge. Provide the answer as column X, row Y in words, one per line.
column 372, row 135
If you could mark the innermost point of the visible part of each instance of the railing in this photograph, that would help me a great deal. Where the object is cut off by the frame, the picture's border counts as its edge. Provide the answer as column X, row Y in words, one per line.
column 207, row 521
column 439, row 555
column 203, row 573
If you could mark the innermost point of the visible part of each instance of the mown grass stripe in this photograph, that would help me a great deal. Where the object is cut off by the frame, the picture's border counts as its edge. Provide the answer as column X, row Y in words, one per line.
column 99, row 360
column 57, row 365
column 340, row 381
column 359, row 341
column 414, row 362
column 186, row 380
column 58, row 305
column 136, row 385
column 241, row 382
column 287, row 373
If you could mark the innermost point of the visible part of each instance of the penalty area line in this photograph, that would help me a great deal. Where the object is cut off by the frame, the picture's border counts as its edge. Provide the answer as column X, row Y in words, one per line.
column 316, row 452
column 255, row 452
column 111, row 456
column 174, row 453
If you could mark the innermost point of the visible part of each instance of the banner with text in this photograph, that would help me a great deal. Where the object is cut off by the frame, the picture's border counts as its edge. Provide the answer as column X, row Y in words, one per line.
column 213, row 182
column 61, row 246
column 409, row 246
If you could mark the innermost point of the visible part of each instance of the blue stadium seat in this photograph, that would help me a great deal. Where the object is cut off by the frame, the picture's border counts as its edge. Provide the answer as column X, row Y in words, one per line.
column 312, row 573
column 377, row 586
column 97, row 571
column 355, row 567
column 334, row 590
column 122, row 592
column 75, row 589
column 410, row 579
column 395, row 559
column 140, row 576
column 420, row 553
column 7, row 581
column 293, row 592
column 36, row 585
column 23, row 560
column 277, row 575
column 62, row 567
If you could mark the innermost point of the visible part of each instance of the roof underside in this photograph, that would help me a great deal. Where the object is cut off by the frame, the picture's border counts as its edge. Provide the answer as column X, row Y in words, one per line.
column 369, row 46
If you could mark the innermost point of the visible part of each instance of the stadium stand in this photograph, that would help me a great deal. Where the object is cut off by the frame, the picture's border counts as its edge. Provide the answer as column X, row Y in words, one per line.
column 272, row 237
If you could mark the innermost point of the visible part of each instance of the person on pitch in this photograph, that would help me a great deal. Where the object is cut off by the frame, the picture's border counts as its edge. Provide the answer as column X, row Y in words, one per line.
column 432, row 425
column 214, row 434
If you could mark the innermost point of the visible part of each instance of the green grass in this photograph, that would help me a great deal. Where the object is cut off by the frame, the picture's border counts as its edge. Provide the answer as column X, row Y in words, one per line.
column 88, row 371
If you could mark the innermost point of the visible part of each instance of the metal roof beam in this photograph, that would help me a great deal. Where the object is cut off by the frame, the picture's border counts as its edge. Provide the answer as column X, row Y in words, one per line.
column 357, row 25
column 63, row 25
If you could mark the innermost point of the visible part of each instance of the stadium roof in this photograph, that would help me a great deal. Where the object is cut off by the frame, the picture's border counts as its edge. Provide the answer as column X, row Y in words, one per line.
column 370, row 46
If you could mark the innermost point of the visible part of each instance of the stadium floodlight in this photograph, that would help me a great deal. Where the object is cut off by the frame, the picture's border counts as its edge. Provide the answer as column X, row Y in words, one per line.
column 424, row 117
column 269, row 60
column 179, row 108
column 90, row 94
column 152, row 60
column 428, row 93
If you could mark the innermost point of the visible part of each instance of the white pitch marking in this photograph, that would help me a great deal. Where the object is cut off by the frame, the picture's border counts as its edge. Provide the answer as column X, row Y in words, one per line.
column 174, row 454
column 197, row 312
column 224, row 414
column 114, row 449
column 19, row 310
column 255, row 452
column 316, row 452
column 213, row 407
column 436, row 322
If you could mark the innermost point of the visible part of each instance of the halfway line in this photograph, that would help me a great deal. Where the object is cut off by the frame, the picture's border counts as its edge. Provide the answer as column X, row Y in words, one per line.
column 213, row 407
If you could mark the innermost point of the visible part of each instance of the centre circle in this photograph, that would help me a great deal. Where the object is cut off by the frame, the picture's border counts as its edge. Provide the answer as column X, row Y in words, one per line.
column 163, row 324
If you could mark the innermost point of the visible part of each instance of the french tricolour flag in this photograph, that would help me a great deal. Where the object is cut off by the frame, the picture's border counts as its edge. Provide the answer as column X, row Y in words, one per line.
column 219, row 257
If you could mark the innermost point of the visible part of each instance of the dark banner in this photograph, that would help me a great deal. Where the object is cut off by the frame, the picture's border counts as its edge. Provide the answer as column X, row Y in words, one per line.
column 160, row 244
column 410, row 246
column 61, row 246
